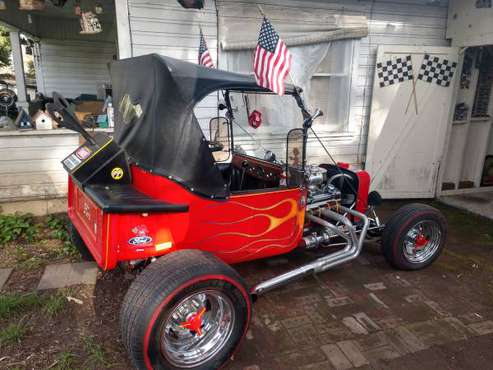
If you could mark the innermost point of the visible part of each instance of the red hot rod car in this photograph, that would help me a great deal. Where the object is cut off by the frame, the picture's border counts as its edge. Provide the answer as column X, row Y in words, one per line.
column 180, row 208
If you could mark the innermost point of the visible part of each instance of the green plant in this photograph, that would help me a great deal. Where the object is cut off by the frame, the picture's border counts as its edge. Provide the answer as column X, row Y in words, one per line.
column 54, row 304
column 64, row 361
column 5, row 47
column 95, row 353
column 58, row 227
column 15, row 303
column 13, row 333
column 14, row 227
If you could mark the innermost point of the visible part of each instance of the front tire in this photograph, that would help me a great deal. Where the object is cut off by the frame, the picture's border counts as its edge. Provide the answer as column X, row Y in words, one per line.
column 414, row 237
column 186, row 310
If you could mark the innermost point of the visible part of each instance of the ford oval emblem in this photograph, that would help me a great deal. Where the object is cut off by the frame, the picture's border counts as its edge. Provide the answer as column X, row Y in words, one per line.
column 139, row 240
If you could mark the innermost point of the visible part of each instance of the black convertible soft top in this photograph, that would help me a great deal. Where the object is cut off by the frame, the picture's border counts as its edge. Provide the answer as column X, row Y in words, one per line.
column 154, row 97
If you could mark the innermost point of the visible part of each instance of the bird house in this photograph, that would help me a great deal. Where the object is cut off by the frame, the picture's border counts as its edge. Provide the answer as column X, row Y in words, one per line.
column 43, row 121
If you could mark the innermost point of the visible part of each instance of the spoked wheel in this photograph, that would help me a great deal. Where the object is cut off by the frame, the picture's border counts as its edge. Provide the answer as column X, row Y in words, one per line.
column 414, row 237
column 187, row 310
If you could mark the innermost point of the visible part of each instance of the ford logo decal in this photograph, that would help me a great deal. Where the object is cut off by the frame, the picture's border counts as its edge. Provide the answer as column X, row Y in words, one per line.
column 139, row 240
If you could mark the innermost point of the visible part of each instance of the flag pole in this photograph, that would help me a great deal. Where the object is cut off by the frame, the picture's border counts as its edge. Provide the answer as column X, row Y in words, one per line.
column 413, row 95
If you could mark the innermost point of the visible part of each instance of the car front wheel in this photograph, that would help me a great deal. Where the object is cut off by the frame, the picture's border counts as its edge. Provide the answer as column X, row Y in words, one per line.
column 414, row 237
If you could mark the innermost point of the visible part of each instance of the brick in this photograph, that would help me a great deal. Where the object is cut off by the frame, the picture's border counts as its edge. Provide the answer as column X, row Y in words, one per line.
column 375, row 286
column 368, row 323
column 482, row 328
column 338, row 301
column 353, row 352
column 407, row 341
column 336, row 357
column 354, row 325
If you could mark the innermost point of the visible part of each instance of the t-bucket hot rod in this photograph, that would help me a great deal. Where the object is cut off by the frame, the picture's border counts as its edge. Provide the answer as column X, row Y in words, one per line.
column 178, row 208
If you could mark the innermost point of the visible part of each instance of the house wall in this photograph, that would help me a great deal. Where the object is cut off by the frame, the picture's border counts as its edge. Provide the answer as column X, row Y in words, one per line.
column 469, row 25
column 30, row 164
column 73, row 67
column 167, row 28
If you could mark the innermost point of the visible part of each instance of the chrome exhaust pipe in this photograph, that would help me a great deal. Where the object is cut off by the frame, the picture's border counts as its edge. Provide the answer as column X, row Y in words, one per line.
column 350, row 252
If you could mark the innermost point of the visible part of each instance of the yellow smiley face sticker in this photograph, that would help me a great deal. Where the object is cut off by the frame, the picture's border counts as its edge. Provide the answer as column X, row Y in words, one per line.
column 117, row 173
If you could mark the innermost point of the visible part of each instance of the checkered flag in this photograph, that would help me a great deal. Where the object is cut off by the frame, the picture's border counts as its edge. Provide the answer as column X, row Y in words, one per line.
column 394, row 71
column 435, row 70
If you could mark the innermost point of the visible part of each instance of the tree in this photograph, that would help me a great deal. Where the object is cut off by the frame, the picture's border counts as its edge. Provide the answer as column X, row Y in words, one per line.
column 5, row 47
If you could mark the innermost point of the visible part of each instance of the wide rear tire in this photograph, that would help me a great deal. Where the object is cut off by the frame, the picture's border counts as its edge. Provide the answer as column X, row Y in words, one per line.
column 186, row 310
column 414, row 237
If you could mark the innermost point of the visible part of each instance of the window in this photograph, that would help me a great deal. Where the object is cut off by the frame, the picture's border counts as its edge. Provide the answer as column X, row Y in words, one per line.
column 328, row 88
column 331, row 87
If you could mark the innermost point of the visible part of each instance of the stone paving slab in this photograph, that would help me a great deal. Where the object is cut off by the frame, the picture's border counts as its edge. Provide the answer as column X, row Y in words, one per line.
column 4, row 276
column 64, row 275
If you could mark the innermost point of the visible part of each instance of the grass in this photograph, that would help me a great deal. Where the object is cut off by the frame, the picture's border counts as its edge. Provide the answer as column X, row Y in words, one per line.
column 478, row 229
column 96, row 355
column 54, row 304
column 64, row 361
column 15, row 303
column 13, row 333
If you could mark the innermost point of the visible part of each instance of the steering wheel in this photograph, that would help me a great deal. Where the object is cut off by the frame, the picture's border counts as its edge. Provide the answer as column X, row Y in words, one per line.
column 68, row 119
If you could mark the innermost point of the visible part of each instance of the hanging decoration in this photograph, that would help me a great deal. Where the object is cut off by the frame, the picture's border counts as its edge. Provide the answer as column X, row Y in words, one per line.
column 32, row 4
column 255, row 119
column 98, row 8
column 89, row 24
column 77, row 10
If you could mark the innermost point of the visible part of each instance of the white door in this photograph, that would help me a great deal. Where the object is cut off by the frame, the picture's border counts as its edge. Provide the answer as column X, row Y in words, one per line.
column 408, row 127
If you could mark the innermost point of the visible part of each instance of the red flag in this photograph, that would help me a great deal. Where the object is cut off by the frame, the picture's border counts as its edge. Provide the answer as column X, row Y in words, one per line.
column 204, row 56
column 272, row 60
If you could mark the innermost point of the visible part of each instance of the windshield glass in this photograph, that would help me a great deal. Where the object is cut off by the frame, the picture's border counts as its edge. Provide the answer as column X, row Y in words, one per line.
column 262, row 121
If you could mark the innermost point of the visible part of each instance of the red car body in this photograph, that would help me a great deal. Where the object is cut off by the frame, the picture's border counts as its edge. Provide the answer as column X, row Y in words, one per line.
column 246, row 226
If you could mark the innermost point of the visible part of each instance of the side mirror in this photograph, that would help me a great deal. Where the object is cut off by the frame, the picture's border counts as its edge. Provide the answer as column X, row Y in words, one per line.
column 219, row 140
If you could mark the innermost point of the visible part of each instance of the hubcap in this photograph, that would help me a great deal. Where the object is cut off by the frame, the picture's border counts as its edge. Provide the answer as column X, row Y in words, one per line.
column 197, row 328
column 422, row 241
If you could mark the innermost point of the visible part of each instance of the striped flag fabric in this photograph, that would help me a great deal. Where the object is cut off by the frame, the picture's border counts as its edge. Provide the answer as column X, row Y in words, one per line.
column 272, row 60
column 204, row 55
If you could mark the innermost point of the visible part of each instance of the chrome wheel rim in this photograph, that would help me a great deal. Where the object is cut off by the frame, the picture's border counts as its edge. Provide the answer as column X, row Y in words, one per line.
column 422, row 241
column 197, row 328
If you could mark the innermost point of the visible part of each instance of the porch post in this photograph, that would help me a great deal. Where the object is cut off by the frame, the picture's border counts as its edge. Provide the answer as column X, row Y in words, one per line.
column 20, row 80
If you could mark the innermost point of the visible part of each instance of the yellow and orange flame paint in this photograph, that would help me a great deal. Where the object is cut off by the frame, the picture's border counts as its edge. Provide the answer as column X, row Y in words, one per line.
column 254, row 225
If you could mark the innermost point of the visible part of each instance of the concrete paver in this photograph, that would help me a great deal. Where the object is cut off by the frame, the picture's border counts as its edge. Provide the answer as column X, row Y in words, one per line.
column 4, row 276
column 67, row 274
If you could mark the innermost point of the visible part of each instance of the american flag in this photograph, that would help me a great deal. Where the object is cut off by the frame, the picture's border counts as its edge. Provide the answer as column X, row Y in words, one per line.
column 272, row 60
column 204, row 56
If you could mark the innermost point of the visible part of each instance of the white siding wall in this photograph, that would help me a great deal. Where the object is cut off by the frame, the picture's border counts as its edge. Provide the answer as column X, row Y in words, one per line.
column 166, row 28
column 30, row 165
column 74, row 67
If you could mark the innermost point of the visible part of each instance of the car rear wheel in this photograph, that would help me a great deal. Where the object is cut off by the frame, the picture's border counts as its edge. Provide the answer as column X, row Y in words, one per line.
column 187, row 310
column 414, row 237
